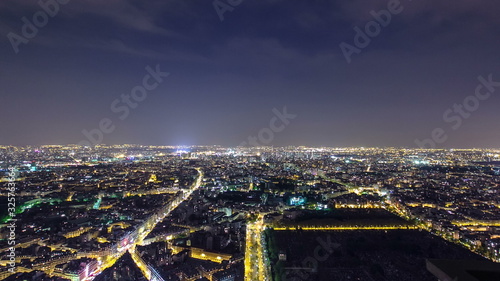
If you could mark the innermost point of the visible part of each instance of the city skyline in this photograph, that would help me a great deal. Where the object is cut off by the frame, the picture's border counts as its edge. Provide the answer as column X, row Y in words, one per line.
column 352, row 74
column 132, row 212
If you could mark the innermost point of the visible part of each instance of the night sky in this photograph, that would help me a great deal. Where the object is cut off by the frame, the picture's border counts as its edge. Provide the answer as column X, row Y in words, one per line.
column 226, row 77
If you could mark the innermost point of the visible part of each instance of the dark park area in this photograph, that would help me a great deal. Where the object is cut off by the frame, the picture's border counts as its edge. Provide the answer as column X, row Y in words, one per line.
column 373, row 255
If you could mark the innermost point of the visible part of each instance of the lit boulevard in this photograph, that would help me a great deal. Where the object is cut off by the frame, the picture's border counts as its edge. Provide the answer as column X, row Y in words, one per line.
column 256, row 267
column 129, row 242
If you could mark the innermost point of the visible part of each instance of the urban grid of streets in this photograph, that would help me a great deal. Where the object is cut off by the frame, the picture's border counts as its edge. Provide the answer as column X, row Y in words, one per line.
column 137, row 237
column 256, row 267
column 426, row 187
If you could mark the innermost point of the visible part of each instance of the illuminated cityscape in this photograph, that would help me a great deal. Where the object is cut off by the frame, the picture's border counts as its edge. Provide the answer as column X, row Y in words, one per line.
column 239, row 140
column 132, row 212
